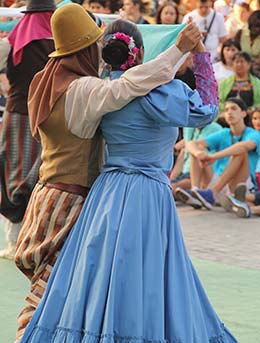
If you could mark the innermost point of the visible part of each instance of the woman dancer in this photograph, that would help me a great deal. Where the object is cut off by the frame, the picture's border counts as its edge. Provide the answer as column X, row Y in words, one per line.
column 124, row 273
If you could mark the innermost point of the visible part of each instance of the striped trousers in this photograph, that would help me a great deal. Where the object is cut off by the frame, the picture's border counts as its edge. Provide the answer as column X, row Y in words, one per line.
column 48, row 219
column 19, row 165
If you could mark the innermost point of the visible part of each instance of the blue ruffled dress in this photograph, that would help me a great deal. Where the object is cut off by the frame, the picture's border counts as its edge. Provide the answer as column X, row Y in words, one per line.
column 124, row 275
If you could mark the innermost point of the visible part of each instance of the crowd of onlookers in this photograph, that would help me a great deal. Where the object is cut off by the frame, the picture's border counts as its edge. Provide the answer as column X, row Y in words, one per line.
column 219, row 163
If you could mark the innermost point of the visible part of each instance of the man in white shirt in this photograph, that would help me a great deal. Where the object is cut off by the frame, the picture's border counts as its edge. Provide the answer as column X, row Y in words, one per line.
column 214, row 33
column 224, row 6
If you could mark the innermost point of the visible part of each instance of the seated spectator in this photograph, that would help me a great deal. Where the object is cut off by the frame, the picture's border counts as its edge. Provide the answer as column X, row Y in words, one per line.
column 167, row 14
column 249, row 38
column 224, row 68
column 211, row 25
column 134, row 10
column 243, row 84
column 242, row 209
column 249, row 203
column 180, row 175
column 236, row 154
column 4, row 87
column 237, row 19
column 254, row 116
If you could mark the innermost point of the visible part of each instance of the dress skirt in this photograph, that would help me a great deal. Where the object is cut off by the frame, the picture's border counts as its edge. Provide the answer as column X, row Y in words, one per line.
column 124, row 274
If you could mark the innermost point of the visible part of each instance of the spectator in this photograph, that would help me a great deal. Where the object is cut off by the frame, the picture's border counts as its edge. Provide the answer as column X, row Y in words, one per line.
column 180, row 174
column 254, row 115
column 238, row 18
column 243, row 209
column 224, row 7
column 4, row 87
column 249, row 38
column 3, row 33
column 97, row 6
column 20, row 159
column 211, row 25
column 134, row 10
column 243, row 84
column 224, row 67
column 236, row 154
column 167, row 14
column 186, row 6
column 183, row 179
column 254, row 5
column 185, row 73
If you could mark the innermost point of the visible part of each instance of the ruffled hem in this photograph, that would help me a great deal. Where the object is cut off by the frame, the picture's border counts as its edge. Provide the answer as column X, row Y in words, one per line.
column 64, row 335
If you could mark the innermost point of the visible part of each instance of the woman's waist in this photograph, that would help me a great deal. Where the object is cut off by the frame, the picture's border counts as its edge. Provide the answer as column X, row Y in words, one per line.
column 149, row 169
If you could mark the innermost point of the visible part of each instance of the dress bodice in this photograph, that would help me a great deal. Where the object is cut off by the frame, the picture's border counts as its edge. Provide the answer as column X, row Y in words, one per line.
column 135, row 141
column 141, row 135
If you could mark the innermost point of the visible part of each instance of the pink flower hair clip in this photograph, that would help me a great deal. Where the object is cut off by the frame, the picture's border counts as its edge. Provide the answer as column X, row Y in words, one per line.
column 133, row 50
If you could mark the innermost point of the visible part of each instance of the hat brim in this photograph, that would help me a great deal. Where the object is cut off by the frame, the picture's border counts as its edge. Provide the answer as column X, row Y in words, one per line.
column 67, row 53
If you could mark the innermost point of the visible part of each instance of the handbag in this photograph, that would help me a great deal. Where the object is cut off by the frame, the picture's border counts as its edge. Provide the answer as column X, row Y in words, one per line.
column 208, row 29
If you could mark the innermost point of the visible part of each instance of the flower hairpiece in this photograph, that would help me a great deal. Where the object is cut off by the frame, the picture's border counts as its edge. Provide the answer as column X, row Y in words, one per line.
column 133, row 50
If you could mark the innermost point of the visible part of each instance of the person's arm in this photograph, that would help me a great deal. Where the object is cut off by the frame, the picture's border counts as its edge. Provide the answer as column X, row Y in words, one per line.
column 92, row 98
column 175, row 104
column 7, row 26
column 223, row 39
column 178, row 165
column 180, row 145
column 197, row 147
column 235, row 149
column 222, row 31
column 206, row 83
column 239, row 148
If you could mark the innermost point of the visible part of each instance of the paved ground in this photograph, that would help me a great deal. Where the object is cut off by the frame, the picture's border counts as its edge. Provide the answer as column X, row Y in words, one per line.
column 226, row 253
column 221, row 236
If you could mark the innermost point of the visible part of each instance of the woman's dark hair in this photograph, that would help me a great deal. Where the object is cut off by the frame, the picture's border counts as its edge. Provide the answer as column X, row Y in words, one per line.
column 239, row 102
column 244, row 5
column 229, row 43
column 96, row 19
column 100, row 2
column 142, row 6
column 253, row 18
column 242, row 54
column 159, row 11
column 251, row 111
column 242, row 105
column 115, row 52
column 80, row 2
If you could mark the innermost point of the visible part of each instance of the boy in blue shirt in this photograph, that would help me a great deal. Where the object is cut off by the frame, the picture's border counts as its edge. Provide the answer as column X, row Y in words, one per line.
column 237, row 150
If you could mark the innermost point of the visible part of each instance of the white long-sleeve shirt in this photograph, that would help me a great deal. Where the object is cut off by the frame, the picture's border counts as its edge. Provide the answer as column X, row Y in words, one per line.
column 89, row 98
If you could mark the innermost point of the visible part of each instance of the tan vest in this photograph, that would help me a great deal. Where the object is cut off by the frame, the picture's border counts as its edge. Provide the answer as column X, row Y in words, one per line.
column 65, row 157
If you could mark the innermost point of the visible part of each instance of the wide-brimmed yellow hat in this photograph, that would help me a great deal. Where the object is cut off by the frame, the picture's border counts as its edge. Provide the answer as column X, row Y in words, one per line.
column 73, row 30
